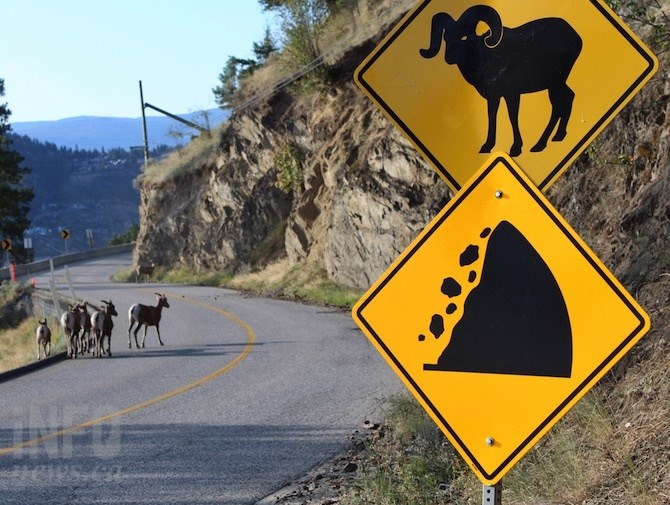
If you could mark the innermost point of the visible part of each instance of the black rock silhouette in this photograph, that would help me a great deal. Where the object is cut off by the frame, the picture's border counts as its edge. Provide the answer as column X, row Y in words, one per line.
column 451, row 287
column 437, row 326
column 516, row 321
column 470, row 255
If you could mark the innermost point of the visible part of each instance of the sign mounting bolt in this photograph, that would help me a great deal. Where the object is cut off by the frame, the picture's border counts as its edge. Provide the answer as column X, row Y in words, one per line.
column 490, row 441
column 499, row 194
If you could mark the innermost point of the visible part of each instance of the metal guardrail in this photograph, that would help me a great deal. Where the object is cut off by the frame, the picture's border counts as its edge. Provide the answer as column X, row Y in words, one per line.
column 39, row 266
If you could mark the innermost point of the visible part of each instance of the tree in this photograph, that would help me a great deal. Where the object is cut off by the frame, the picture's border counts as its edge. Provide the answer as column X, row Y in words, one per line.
column 302, row 22
column 15, row 197
column 264, row 48
column 229, row 79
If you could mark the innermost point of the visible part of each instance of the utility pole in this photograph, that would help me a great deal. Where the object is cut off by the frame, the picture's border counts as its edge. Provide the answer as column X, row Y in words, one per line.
column 168, row 114
column 144, row 130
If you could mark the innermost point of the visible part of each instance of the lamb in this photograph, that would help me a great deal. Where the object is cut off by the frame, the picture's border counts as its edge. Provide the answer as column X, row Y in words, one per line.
column 144, row 269
column 71, row 325
column 43, row 338
column 102, row 325
column 506, row 62
column 146, row 316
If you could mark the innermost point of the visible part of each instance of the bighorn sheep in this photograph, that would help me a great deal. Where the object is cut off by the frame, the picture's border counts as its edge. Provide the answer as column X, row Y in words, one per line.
column 85, row 324
column 102, row 325
column 146, row 316
column 71, row 325
column 144, row 270
column 506, row 62
column 43, row 338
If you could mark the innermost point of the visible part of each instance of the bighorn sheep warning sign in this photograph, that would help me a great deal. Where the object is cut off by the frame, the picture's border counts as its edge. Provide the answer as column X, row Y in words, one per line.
column 560, row 70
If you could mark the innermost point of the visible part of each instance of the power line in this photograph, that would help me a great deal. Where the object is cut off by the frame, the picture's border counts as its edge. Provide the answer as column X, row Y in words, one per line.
column 317, row 62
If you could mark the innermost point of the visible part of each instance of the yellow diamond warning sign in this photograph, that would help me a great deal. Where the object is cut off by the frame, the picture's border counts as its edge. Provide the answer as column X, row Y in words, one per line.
column 538, row 79
column 499, row 318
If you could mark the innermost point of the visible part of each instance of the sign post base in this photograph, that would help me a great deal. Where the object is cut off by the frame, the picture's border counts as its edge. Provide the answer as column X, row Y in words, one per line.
column 492, row 495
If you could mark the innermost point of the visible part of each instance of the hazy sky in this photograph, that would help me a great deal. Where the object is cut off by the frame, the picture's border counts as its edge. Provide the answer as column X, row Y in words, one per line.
column 66, row 58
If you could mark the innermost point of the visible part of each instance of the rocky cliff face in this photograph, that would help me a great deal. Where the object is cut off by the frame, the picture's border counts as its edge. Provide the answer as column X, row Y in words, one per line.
column 366, row 193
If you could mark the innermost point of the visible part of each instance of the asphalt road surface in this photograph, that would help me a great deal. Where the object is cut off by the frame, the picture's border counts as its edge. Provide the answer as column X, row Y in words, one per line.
column 246, row 395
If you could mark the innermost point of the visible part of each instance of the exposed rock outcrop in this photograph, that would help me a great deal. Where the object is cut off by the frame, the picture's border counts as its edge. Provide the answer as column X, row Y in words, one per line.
column 366, row 193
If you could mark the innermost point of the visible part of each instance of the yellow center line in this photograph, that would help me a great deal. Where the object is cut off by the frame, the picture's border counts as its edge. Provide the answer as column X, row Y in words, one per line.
column 251, row 338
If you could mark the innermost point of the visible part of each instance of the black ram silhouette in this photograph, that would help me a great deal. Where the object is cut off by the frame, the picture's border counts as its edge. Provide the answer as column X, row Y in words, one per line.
column 508, row 62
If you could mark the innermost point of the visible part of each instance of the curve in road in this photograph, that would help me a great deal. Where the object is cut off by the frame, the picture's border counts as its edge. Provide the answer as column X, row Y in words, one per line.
column 251, row 337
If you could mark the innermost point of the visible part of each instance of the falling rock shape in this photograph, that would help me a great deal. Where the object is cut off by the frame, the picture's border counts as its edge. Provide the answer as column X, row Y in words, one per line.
column 516, row 320
column 451, row 287
column 469, row 256
column 437, row 326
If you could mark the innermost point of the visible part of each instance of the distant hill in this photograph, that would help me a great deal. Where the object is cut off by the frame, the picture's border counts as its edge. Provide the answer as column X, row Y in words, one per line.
column 91, row 132
column 79, row 190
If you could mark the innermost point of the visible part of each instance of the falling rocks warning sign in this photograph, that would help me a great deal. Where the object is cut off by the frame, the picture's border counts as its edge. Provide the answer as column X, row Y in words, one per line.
column 499, row 318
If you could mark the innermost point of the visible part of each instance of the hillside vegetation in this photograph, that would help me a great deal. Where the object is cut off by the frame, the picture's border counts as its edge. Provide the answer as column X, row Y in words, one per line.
column 321, row 180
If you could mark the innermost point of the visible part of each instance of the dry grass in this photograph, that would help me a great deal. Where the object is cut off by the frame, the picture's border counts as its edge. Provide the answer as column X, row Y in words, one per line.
column 194, row 155
column 306, row 281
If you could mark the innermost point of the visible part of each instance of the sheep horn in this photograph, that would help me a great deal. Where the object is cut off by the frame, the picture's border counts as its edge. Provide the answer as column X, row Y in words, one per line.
column 44, row 322
column 439, row 26
column 485, row 14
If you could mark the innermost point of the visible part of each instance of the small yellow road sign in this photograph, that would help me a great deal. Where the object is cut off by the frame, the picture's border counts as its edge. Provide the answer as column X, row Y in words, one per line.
column 6, row 244
column 538, row 79
column 64, row 234
column 499, row 318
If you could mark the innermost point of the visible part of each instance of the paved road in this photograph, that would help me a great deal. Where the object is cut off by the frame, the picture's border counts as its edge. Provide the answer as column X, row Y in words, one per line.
column 247, row 394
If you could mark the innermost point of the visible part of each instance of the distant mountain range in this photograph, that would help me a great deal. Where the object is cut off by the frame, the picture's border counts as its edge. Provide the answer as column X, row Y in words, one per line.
column 91, row 132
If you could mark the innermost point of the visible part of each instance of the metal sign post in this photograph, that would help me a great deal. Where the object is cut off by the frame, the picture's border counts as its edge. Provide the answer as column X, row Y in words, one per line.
column 65, row 235
column 492, row 495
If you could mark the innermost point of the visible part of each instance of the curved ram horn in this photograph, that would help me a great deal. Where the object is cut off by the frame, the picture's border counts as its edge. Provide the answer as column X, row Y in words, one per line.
column 439, row 26
column 487, row 15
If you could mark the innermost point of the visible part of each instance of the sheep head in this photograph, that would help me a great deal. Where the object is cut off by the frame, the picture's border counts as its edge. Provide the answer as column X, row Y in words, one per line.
column 109, row 308
column 478, row 26
column 162, row 300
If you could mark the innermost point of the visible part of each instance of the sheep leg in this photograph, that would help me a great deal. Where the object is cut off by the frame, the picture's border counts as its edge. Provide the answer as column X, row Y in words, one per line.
column 145, row 334
column 47, row 354
column 159, row 334
column 109, row 345
column 561, row 108
column 132, row 322
column 137, row 329
column 492, row 104
column 567, row 98
column 513, row 111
